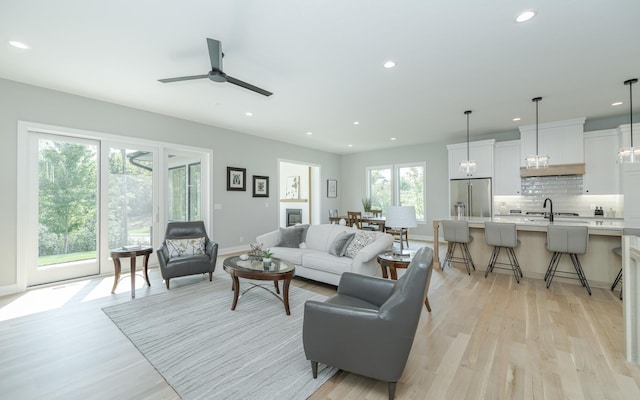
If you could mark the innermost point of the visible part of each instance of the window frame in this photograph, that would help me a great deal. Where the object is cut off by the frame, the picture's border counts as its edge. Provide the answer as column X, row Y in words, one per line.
column 395, row 183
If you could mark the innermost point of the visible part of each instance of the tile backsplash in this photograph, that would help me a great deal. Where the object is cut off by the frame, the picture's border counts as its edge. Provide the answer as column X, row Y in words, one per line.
column 566, row 193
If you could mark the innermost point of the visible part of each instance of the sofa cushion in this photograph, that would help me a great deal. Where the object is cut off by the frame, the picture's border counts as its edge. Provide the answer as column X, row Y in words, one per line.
column 326, row 262
column 292, row 236
column 320, row 237
column 339, row 245
column 359, row 242
column 292, row 255
column 185, row 247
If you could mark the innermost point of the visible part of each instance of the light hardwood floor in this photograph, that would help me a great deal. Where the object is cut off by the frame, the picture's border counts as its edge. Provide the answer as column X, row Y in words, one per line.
column 485, row 339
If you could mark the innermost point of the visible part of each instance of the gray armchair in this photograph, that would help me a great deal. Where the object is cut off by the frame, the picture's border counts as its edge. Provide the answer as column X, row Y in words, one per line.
column 368, row 327
column 184, row 265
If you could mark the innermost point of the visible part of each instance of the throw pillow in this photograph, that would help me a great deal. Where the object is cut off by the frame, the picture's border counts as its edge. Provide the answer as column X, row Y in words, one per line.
column 339, row 245
column 359, row 242
column 185, row 247
column 293, row 236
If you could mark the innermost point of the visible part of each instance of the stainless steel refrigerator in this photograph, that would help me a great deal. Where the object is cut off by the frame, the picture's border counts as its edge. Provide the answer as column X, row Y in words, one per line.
column 471, row 197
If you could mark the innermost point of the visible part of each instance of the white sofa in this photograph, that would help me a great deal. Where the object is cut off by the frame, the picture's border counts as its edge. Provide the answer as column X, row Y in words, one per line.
column 313, row 261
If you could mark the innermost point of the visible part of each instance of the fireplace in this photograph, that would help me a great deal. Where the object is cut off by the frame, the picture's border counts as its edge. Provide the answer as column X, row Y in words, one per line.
column 294, row 216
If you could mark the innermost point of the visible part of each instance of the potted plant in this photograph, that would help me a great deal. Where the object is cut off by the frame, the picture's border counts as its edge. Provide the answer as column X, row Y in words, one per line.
column 266, row 256
column 366, row 204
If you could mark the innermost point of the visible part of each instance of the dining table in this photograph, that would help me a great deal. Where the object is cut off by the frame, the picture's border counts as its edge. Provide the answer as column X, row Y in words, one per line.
column 380, row 221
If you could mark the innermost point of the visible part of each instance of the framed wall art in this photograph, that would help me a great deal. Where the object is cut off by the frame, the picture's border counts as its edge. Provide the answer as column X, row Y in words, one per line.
column 236, row 179
column 332, row 188
column 260, row 186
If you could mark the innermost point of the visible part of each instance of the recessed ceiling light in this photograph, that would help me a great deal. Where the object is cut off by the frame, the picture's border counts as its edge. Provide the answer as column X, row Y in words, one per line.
column 389, row 64
column 525, row 16
column 349, row 145
column 516, row 119
column 356, row 122
column 392, row 138
column 19, row 45
column 248, row 114
column 617, row 103
column 309, row 133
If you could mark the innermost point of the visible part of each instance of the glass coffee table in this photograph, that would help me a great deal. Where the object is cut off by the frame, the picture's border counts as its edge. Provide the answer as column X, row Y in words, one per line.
column 254, row 268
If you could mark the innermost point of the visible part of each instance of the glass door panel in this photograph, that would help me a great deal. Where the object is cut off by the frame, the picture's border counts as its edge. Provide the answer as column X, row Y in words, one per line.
column 67, row 209
column 184, row 187
column 194, row 198
column 130, row 197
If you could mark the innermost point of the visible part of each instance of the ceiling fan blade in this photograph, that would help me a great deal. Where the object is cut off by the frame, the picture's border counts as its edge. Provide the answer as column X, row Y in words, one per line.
column 183, row 78
column 248, row 86
column 215, row 54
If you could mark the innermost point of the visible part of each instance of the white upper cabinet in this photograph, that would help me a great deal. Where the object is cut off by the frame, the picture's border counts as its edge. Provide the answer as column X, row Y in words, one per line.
column 507, row 180
column 562, row 141
column 481, row 151
column 602, row 172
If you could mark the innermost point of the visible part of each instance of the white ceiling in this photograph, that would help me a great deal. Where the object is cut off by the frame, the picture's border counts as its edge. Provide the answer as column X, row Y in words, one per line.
column 323, row 62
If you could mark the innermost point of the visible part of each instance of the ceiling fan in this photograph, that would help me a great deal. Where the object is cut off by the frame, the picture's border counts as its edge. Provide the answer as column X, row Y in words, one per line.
column 216, row 74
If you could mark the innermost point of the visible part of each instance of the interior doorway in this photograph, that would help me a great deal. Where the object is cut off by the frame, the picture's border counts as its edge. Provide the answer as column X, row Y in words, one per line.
column 298, row 192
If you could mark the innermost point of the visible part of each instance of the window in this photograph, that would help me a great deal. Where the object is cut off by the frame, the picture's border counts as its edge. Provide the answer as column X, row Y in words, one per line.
column 379, row 185
column 402, row 184
column 410, row 191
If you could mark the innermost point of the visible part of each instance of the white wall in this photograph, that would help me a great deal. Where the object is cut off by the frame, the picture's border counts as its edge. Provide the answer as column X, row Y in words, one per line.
column 241, row 214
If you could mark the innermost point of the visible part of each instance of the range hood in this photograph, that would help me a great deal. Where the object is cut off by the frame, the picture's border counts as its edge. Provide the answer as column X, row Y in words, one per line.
column 553, row 170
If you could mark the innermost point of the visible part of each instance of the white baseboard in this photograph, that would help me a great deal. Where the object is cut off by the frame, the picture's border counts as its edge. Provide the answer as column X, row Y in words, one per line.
column 235, row 249
column 9, row 289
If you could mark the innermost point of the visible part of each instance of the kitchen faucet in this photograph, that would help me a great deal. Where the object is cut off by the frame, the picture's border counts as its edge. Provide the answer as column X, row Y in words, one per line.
column 550, row 209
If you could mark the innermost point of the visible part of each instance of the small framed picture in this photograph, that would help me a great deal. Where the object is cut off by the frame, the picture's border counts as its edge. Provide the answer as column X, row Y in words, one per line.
column 260, row 186
column 332, row 188
column 236, row 179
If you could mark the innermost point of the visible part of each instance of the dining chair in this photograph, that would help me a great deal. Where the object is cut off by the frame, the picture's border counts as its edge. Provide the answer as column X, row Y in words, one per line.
column 354, row 219
column 371, row 225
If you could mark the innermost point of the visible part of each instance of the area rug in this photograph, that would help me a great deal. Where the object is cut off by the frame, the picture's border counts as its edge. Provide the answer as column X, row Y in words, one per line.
column 206, row 351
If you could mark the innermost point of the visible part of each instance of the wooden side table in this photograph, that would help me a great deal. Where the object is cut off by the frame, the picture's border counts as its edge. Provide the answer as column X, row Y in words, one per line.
column 392, row 262
column 132, row 254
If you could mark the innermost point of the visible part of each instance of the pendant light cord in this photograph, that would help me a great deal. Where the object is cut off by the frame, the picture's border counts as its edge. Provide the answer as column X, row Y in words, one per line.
column 536, row 100
column 468, row 112
column 630, row 82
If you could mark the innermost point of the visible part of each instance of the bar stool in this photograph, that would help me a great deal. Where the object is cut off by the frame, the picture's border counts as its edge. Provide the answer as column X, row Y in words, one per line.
column 618, row 251
column 457, row 233
column 502, row 236
column 571, row 240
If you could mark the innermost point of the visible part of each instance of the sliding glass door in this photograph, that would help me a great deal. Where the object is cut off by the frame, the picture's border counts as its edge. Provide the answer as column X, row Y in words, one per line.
column 82, row 194
column 130, row 197
column 65, row 175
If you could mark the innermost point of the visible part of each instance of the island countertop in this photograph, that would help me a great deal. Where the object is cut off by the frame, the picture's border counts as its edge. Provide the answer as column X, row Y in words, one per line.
column 607, row 227
column 600, row 263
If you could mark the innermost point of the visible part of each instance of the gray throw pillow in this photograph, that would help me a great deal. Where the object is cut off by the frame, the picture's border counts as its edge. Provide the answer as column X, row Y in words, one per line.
column 339, row 245
column 292, row 236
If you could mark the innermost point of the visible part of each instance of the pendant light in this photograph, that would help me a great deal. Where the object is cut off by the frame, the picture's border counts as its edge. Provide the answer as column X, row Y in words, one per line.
column 468, row 166
column 537, row 160
column 630, row 155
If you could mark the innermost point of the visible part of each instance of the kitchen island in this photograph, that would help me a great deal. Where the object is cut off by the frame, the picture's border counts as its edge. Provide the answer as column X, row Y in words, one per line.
column 600, row 264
